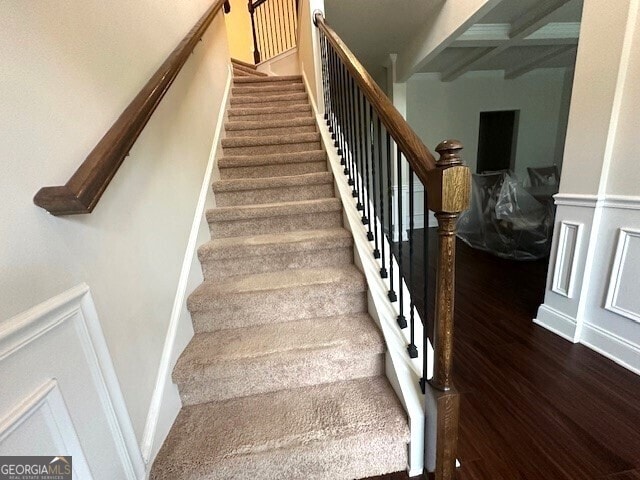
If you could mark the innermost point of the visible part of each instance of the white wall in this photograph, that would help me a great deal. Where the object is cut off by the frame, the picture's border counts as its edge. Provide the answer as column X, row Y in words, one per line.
column 68, row 70
column 599, row 192
column 440, row 110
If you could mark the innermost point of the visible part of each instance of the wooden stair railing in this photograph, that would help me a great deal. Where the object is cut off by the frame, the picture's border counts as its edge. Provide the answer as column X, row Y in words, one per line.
column 274, row 25
column 365, row 126
column 85, row 187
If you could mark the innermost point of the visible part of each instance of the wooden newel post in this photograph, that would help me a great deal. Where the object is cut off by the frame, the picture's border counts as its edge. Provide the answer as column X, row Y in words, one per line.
column 454, row 193
column 256, row 51
column 448, row 190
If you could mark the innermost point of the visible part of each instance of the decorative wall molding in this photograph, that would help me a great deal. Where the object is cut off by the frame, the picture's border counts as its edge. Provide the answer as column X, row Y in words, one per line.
column 578, row 200
column 49, row 402
column 76, row 307
column 567, row 254
column 622, row 201
column 621, row 258
column 164, row 370
column 593, row 201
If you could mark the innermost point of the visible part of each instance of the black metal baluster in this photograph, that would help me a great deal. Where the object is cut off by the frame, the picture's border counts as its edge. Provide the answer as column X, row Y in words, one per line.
column 374, row 198
column 354, row 146
column 331, row 94
column 383, row 269
column 323, row 58
column 425, row 291
column 411, row 348
column 343, row 127
column 340, row 122
column 366, row 190
column 346, row 148
column 334, row 105
column 392, row 293
column 402, row 322
column 360, row 165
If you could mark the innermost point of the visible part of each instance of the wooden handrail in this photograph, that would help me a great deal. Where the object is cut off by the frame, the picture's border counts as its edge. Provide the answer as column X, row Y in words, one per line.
column 85, row 187
column 416, row 153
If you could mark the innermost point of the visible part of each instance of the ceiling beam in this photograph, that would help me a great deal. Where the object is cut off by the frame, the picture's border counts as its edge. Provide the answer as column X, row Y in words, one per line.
column 529, row 23
column 493, row 34
column 534, row 62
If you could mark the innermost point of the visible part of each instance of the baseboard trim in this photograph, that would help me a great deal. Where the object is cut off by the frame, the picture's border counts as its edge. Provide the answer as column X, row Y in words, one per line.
column 613, row 347
column 557, row 322
column 164, row 370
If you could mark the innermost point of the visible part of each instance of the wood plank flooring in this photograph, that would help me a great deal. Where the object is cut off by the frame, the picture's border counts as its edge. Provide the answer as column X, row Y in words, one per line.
column 534, row 406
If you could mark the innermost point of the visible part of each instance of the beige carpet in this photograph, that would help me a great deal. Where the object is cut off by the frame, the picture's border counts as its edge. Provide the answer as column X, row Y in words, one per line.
column 284, row 378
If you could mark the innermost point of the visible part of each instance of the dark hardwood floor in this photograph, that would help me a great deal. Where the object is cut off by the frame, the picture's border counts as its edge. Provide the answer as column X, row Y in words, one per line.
column 534, row 406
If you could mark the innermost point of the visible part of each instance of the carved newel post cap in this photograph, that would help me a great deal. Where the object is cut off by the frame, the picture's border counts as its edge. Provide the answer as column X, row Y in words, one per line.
column 449, row 151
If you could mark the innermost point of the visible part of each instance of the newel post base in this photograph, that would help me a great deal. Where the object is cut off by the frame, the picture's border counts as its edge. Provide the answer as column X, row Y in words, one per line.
column 448, row 192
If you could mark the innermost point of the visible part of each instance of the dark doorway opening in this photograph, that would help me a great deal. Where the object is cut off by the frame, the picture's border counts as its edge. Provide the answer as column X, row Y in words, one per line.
column 497, row 140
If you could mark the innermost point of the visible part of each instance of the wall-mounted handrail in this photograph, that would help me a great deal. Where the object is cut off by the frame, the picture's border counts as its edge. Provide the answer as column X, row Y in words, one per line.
column 85, row 187
column 418, row 155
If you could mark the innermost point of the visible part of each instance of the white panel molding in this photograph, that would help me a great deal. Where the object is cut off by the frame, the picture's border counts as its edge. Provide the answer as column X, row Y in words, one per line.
column 612, row 346
column 615, row 281
column 165, row 368
column 567, row 258
column 48, row 400
column 76, row 306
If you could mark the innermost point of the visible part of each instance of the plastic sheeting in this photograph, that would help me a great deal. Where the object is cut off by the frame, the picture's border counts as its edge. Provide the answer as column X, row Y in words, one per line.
column 505, row 219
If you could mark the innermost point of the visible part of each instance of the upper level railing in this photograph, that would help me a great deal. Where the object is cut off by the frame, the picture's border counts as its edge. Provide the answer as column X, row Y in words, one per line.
column 85, row 187
column 379, row 151
column 274, row 25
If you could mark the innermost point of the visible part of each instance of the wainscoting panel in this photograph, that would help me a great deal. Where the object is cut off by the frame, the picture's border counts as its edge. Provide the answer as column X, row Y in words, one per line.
column 596, row 301
column 568, row 251
column 623, row 296
column 60, row 395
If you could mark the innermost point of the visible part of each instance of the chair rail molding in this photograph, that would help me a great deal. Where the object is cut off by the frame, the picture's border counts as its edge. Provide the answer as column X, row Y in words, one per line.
column 81, row 384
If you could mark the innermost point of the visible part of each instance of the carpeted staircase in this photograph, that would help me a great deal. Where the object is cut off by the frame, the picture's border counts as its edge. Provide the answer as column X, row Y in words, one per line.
column 284, row 378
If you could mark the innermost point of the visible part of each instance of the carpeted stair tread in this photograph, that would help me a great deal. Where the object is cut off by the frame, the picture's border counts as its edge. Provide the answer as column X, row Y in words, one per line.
column 289, row 242
column 269, row 190
column 250, row 71
column 276, row 297
column 272, row 79
column 299, row 109
column 282, row 126
column 274, row 209
column 349, row 278
column 336, row 431
column 227, row 257
column 274, row 182
column 266, row 89
column 266, row 358
column 256, row 126
column 239, row 73
column 298, row 97
column 234, row 161
column 235, row 61
column 237, row 142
